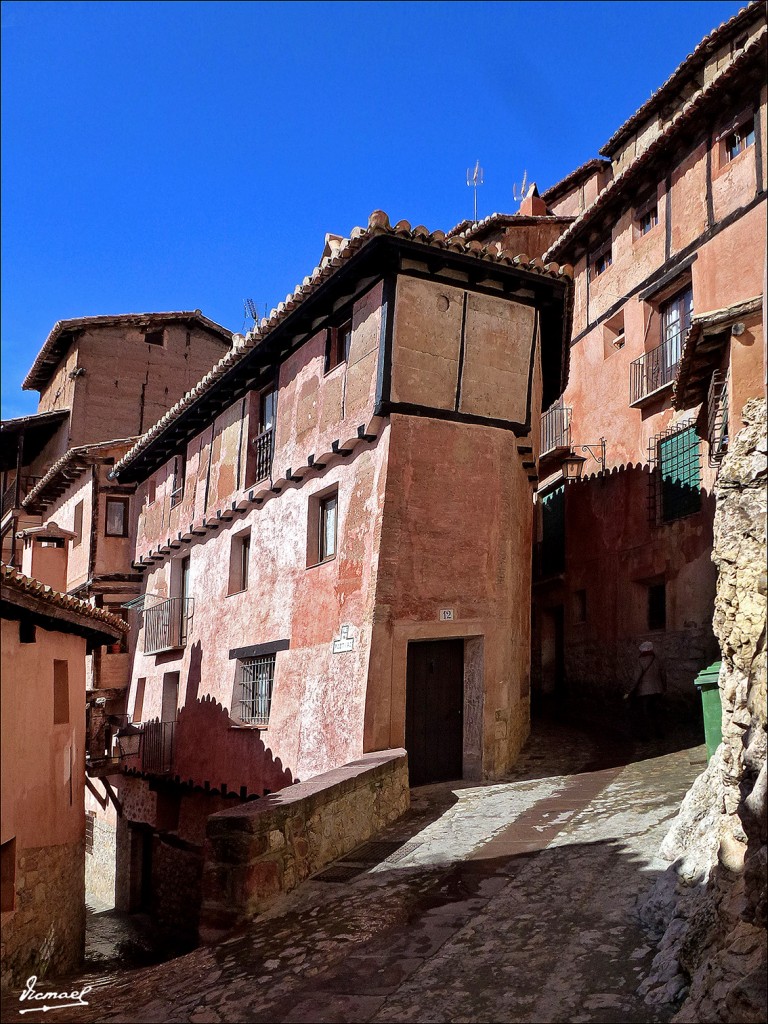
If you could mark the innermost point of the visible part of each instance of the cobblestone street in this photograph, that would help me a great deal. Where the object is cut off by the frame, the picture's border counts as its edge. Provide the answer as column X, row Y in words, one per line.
column 513, row 901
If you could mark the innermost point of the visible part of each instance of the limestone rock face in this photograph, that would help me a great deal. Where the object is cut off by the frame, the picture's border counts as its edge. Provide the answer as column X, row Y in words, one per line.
column 714, row 943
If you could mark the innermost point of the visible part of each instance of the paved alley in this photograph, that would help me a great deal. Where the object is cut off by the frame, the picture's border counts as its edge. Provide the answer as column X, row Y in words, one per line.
column 512, row 901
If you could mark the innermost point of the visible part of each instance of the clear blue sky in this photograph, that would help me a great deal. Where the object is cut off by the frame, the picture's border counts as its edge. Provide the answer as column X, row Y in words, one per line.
column 180, row 155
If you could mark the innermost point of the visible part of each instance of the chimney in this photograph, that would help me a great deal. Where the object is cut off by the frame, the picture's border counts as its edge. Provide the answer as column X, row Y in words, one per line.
column 533, row 205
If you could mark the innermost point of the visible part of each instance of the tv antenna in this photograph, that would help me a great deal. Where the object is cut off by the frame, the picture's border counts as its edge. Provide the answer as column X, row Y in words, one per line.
column 519, row 194
column 251, row 312
column 475, row 180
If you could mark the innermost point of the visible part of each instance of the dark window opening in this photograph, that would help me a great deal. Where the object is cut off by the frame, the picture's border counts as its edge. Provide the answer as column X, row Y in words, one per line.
column 739, row 139
column 657, row 606
column 8, row 875
column 600, row 260
column 177, row 480
column 78, row 525
column 155, row 337
column 27, row 632
column 338, row 345
column 648, row 220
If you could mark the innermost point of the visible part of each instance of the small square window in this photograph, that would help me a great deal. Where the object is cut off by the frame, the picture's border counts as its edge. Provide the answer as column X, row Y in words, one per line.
column 338, row 344
column 600, row 260
column 155, row 337
column 116, row 519
column 257, row 676
column 739, row 139
column 647, row 220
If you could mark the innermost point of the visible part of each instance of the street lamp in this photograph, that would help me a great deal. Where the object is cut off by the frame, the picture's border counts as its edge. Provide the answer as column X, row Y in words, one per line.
column 129, row 741
column 573, row 464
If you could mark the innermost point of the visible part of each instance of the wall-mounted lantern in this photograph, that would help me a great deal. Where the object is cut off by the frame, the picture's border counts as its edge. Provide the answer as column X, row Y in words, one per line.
column 573, row 464
column 129, row 741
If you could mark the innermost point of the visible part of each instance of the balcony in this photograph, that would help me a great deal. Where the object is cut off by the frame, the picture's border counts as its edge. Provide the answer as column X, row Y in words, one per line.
column 157, row 747
column 166, row 625
column 262, row 455
column 654, row 370
column 11, row 499
column 555, row 429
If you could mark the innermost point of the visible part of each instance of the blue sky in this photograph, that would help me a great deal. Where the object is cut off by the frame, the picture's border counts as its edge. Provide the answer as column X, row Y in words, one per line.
column 163, row 156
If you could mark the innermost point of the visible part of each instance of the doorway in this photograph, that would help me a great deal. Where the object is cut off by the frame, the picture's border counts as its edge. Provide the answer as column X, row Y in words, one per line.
column 434, row 707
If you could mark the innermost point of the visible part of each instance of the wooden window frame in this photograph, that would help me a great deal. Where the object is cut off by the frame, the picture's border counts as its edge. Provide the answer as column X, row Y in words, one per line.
column 77, row 527
column 338, row 343
column 125, row 503
column 179, row 471
column 600, row 260
column 239, row 562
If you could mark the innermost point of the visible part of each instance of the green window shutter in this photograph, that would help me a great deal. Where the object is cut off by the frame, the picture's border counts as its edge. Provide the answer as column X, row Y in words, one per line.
column 680, row 474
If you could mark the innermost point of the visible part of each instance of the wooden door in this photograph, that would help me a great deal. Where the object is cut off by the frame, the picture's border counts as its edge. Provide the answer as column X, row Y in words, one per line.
column 434, row 733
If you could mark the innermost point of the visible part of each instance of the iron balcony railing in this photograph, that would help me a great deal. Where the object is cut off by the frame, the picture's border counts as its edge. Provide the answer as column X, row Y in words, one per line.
column 555, row 429
column 11, row 499
column 263, row 447
column 166, row 624
column 654, row 369
column 157, row 746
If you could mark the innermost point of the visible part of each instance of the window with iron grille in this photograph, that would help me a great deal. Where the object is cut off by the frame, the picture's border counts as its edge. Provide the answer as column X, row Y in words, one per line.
column 675, row 477
column 256, row 678
column 90, row 819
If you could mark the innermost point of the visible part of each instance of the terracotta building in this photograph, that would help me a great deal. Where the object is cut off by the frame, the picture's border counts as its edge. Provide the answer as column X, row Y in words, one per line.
column 102, row 381
column 668, row 249
column 45, row 636
column 335, row 535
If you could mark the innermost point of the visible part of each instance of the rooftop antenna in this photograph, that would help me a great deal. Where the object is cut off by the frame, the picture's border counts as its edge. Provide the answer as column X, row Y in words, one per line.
column 474, row 180
column 518, row 194
column 251, row 312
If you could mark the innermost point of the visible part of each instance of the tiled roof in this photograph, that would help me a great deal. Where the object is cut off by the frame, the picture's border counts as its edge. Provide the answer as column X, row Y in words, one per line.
column 378, row 224
column 469, row 229
column 700, row 358
column 575, row 178
column 48, row 356
column 689, row 114
column 73, row 460
column 15, row 582
column 686, row 69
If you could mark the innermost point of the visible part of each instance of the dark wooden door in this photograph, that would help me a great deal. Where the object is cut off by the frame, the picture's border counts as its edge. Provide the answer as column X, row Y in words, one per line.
column 433, row 713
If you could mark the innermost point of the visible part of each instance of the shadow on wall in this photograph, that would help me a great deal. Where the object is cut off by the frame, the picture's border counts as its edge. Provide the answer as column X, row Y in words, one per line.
column 626, row 557
column 214, row 752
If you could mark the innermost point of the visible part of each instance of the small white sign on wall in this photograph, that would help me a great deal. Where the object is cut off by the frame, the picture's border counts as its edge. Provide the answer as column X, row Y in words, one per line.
column 445, row 615
column 345, row 641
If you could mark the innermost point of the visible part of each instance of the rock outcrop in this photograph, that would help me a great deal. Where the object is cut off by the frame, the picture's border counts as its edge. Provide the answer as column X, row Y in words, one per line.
column 712, row 904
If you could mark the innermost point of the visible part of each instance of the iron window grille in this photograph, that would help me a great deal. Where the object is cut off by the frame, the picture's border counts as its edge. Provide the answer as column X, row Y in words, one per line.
column 717, row 417
column 256, row 678
column 674, row 457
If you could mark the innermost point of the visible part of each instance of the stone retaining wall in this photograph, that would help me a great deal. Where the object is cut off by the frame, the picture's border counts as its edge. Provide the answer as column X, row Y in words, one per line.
column 45, row 932
column 713, row 902
column 258, row 850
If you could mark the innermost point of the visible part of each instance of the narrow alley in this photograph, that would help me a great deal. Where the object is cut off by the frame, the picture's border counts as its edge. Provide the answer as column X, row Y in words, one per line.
column 514, row 901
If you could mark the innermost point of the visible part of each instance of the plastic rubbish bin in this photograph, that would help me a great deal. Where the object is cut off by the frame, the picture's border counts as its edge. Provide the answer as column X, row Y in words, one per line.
column 712, row 711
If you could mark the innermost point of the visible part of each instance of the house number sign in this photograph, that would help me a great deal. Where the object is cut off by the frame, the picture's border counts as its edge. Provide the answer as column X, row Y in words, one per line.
column 345, row 641
column 445, row 615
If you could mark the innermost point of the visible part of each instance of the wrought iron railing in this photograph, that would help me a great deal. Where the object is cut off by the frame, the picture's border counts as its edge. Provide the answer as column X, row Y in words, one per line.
column 157, row 746
column 10, row 498
column 555, row 429
column 166, row 624
column 654, row 369
column 263, row 449
column 717, row 417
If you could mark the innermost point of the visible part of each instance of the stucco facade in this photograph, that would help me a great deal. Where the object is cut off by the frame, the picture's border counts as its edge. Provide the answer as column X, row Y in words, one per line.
column 667, row 347
column 44, row 640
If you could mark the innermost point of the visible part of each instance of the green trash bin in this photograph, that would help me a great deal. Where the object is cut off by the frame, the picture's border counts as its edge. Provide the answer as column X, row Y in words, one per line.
column 706, row 683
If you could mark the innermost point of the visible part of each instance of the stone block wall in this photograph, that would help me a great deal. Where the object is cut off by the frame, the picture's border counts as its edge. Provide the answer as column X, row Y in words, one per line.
column 176, row 873
column 259, row 850
column 45, row 933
